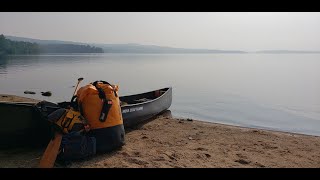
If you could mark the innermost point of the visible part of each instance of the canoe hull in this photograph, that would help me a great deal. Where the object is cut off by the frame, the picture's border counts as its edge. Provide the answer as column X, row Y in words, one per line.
column 136, row 113
column 21, row 125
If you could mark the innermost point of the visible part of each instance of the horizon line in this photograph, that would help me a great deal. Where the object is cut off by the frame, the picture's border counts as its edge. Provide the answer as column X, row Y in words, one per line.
column 129, row 43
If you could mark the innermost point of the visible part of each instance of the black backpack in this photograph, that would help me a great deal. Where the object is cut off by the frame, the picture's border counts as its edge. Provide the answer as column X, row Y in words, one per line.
column 76, row 146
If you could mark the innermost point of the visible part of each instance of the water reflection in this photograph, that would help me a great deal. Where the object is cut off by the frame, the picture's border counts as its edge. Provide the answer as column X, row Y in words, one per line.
column 269, row 91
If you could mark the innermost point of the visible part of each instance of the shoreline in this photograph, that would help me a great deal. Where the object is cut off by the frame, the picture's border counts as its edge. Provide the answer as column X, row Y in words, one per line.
column 252, row 128
column 175, row 142
column 14, row 98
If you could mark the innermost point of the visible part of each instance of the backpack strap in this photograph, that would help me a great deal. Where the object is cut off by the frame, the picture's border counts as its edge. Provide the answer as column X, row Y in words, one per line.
column 74, row 103
column 104, row 82
column 106, row 103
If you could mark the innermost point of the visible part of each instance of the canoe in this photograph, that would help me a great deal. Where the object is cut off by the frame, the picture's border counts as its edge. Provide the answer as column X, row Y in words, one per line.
column 21, row 123
column 141, row 107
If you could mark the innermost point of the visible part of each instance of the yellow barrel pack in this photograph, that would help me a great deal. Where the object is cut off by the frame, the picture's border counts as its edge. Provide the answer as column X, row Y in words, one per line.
column 99, row 103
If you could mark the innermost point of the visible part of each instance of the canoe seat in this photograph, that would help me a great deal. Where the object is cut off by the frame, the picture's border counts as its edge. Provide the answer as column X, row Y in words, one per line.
column 142, row 100
column 123, row 103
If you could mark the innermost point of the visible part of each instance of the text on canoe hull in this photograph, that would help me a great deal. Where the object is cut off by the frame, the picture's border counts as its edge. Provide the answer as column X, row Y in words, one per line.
column 132, row 109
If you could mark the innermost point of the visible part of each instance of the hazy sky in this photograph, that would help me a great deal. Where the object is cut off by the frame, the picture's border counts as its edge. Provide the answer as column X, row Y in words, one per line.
column 213, row 30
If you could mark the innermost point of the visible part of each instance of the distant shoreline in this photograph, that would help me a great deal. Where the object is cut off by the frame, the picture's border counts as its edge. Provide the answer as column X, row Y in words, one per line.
column 150, row 53
column 287, row 52
column 152, row 49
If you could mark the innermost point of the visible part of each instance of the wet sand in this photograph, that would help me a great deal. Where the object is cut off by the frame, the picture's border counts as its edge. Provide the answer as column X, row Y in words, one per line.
column 173, row 142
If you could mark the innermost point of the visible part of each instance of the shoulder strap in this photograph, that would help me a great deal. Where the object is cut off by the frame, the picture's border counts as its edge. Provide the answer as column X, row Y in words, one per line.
column 104, row 82
column 74, row 103
column 106, row 103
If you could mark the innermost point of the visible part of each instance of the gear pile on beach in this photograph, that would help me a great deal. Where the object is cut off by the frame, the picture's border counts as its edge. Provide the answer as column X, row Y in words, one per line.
column 91, row 123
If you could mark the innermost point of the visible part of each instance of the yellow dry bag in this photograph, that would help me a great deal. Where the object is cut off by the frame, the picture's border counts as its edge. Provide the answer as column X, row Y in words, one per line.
column 99, row 103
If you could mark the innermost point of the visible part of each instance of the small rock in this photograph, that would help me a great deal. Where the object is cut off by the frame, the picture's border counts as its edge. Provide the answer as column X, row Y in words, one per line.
column 29, row 92
column 171, row 157
column 4, row 96
column 260, row 165
column 124, row 154
column 159, row 159
column 48, row 93
column 242, row 161
column 137, row 161
column 201, row 149
column 189, row 119
column 190, row 138
column 144, row 137
column 180, row 121
column 208, row 155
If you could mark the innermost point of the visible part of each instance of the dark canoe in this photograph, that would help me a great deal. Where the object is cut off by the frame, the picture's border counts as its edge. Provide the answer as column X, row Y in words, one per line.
column 141, row 107
column 21, row 123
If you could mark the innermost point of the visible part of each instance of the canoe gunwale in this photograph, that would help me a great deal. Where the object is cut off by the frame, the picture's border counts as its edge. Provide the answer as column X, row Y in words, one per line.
column 149, row 101
column 126, row 105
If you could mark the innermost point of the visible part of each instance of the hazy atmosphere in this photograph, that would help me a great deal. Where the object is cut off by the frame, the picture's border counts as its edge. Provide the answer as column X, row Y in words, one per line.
column 160, row 89
column 246, row 31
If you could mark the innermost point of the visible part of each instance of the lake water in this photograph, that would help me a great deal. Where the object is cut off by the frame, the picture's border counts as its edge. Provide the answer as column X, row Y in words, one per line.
column 268, row 91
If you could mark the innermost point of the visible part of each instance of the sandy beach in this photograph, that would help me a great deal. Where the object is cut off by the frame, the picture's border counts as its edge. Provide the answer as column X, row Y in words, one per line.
column 177, row 143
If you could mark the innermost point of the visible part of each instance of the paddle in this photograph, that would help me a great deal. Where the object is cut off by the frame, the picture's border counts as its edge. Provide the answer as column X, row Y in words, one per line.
column 79, row 80
column 51, row 152
column 49, row 156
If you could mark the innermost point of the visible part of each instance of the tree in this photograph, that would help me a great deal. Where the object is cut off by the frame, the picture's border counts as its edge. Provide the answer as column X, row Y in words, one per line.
column 17, row 47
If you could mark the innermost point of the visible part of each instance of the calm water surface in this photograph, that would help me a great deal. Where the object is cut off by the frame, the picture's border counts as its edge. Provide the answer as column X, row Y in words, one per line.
column 279, row 92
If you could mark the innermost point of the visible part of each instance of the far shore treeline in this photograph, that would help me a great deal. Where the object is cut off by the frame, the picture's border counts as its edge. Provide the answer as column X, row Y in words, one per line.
column 9, row 47
column 23, row 45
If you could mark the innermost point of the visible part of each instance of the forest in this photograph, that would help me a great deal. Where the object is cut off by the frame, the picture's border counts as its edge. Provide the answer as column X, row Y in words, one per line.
column 9, row 47
column 17, row 47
